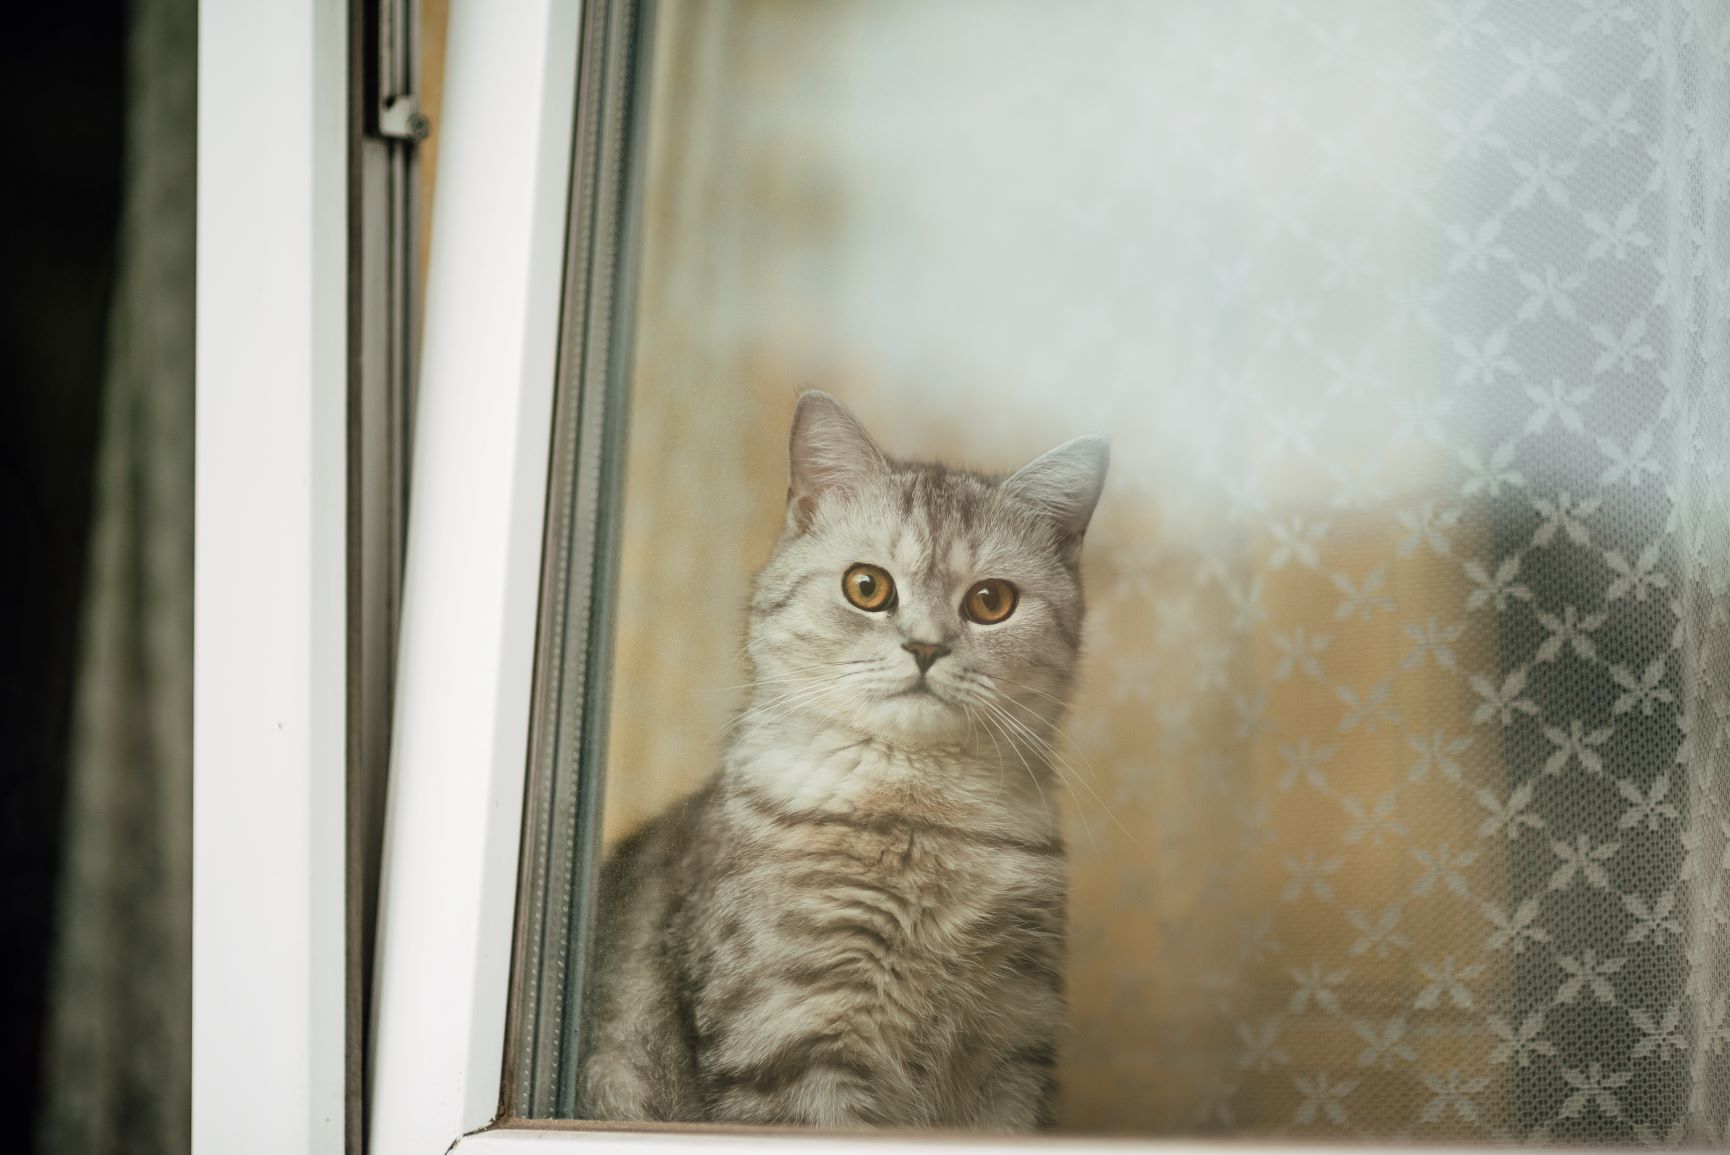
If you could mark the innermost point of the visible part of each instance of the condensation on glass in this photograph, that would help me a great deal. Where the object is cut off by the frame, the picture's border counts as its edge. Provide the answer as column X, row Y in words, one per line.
column 1405, row 730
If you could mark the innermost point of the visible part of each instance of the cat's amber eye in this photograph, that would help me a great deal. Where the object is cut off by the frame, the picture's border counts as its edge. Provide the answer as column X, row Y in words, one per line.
column 989, row 601
column 869, row 587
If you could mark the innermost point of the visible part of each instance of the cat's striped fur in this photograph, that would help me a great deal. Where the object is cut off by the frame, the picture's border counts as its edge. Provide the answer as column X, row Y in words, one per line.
column 860, row 920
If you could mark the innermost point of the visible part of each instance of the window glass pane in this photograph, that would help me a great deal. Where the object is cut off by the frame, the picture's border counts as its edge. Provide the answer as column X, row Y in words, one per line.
column 1392, row 783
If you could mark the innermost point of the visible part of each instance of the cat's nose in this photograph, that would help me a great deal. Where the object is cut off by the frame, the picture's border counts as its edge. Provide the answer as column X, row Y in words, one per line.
column 925, row 653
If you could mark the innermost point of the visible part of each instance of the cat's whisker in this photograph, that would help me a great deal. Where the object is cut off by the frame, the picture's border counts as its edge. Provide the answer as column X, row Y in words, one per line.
column 802, row 674
column 1092, row 771
column 821, row 694
column 992, row 678
column 1043, row 744
column 1074, row 774
column 1059, row 763
column 995, row 748
column 986, row 682
column 1043, row 750
column 792, row 674
column 973, row 741
column 805, row 697
column 805, row 689
column 1031, row 776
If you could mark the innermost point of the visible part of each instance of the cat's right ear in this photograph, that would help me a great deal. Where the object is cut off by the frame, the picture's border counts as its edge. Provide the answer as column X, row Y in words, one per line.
column 829, row 450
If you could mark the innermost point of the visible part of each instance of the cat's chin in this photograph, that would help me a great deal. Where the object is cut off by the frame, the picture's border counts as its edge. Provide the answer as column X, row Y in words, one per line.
column 918, row 716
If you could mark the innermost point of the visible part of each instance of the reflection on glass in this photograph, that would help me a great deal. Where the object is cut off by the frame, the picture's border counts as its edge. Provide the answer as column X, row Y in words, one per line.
column 1395, row 785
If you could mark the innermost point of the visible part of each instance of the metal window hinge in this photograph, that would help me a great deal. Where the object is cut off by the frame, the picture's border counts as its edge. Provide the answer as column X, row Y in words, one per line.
column 400, row 118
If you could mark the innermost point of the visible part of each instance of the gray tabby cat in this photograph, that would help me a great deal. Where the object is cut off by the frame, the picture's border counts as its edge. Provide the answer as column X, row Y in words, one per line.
column 859, row 921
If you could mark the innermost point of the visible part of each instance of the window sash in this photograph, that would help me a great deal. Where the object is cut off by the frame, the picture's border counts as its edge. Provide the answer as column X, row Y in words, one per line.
column 482, row 425
column 510, row 293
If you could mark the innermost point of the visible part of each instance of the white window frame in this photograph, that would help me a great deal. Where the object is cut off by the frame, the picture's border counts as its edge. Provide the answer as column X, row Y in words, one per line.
column 270, row 646
column 270, row 685
column 483, row 430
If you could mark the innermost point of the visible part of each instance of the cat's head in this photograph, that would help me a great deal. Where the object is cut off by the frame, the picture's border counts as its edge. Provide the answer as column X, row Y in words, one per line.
column 918, row 603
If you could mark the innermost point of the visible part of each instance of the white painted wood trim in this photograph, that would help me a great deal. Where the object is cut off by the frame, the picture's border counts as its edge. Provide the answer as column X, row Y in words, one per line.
column 482, row 434
column 270, row 601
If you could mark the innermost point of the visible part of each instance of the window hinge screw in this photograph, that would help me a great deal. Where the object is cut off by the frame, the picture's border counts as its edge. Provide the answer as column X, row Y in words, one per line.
column 400, row 118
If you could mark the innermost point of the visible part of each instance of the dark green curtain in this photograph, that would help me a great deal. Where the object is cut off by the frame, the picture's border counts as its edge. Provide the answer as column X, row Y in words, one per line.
column 118, row 1040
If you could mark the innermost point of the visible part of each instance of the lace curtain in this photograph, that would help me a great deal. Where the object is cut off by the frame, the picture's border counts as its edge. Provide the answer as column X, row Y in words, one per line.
column 1401, row 773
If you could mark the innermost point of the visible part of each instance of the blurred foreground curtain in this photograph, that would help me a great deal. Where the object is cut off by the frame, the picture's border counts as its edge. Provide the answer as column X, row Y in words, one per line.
column 1401, row 771
column 118, row 1043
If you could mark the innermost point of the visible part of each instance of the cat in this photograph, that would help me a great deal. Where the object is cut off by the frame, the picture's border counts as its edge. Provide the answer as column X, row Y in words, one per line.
column 859, row 921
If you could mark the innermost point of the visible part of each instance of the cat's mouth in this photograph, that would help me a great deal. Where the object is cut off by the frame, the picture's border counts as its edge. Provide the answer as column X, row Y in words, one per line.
column 919, row 689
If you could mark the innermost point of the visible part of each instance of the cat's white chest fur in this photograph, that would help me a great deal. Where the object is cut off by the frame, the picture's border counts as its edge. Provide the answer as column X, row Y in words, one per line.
column 807, row 767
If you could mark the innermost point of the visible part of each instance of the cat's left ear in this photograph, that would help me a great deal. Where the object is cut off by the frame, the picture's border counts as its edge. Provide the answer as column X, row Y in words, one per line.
column 1065, row 483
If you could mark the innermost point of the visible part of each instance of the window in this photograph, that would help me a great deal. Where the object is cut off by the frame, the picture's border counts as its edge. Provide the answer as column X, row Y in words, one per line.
column 1393, row 781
